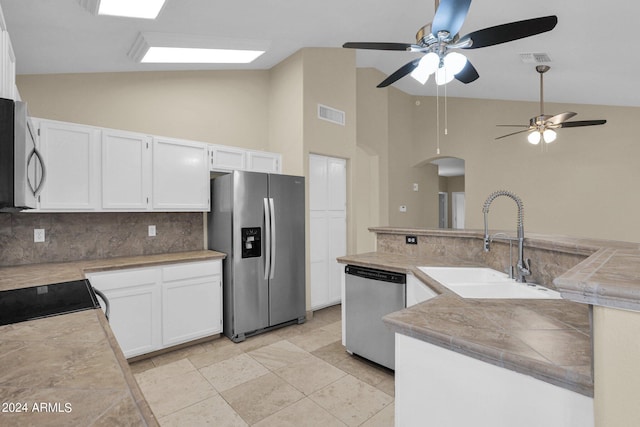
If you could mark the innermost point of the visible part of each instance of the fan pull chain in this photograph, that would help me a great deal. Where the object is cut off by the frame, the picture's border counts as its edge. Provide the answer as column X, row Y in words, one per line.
column 437, row 120
column 446, row 124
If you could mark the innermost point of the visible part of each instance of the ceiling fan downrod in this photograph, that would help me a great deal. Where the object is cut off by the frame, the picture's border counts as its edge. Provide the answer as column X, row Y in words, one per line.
column 542, row 69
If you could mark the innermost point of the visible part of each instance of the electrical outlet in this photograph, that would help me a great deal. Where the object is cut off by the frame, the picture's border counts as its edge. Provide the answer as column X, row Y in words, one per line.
column 152, row 231
column 38, row 235
column 411, row 240
column 403, row 208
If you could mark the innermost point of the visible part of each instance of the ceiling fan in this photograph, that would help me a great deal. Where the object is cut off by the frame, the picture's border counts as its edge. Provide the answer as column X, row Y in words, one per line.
column 542, row 127
column 437, row 38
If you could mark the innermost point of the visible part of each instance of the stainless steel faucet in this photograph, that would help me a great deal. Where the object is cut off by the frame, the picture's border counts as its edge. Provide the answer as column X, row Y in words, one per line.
column 522, row 266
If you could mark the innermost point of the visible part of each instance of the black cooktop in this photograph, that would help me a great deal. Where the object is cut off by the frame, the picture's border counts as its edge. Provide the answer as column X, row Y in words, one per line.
column 19, row 305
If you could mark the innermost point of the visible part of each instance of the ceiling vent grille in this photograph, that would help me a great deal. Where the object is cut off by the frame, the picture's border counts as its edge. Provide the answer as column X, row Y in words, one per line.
column 331, row 115
column 534, row 58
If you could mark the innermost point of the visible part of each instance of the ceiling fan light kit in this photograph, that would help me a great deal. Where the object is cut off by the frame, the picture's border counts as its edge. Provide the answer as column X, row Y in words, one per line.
column 437, row 39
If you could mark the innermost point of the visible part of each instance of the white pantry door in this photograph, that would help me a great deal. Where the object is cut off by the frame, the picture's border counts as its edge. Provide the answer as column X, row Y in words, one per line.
column 328, row 227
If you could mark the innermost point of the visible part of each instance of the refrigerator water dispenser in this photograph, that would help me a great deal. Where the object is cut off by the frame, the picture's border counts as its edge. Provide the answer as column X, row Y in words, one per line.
column 251, row 242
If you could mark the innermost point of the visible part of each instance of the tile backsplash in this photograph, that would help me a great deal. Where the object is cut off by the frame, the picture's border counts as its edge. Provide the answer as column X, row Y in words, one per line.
column 84, row 236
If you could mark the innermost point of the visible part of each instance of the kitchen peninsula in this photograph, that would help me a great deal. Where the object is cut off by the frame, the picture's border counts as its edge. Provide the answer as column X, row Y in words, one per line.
column 70, row 366
column 543, row 342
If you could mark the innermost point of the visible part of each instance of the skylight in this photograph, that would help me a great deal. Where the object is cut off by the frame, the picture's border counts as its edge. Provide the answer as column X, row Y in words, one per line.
column 147, row 9
column 184, row 55
column 191, row 49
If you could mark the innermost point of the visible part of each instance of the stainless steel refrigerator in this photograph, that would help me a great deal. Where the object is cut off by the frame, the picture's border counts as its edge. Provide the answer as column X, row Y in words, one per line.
column 258, row 220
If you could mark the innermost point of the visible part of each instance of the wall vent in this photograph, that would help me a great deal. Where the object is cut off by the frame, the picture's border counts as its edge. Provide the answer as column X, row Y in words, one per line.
column 534, row 58
column 331, row 114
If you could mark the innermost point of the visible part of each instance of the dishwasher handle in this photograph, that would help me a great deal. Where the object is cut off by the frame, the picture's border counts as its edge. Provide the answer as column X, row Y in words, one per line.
column 375, row 274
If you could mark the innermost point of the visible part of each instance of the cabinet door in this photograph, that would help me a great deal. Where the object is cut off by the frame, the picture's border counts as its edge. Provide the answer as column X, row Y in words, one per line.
column 7, row 67
column 263, row 162
column 180, row 175
column 135, row 302
column 227, row 158
column 191, row 301
column 327, row 226
column 126, row 170
column 71, row 155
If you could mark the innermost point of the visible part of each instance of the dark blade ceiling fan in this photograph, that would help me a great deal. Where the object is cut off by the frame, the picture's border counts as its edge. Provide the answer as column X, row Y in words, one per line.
column 436, row 40
column 541, row 128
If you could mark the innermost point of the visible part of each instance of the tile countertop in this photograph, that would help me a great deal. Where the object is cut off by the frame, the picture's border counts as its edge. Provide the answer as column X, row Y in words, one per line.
column 22, row 276
column 70, row 366
column 547, row 339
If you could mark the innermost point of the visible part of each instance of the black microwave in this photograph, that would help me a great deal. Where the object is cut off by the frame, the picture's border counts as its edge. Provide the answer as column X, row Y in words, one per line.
column 22, row 171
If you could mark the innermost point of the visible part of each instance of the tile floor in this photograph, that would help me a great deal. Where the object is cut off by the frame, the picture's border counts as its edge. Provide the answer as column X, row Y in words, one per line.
column 299, row 375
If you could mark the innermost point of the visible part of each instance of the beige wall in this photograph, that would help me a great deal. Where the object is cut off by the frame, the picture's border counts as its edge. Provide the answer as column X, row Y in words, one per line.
column 221, row 107
column 285, row 113
column 583, row 184
column 617, row 374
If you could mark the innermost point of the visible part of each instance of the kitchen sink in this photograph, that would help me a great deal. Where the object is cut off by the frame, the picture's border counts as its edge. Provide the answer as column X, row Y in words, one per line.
column 482, row 282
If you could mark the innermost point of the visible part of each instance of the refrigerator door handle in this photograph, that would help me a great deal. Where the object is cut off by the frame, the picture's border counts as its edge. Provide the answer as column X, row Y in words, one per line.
column 272, row 238
column 267, row 244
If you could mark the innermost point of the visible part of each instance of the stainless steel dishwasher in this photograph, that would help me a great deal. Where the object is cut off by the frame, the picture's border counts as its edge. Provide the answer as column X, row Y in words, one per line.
column 371, row 294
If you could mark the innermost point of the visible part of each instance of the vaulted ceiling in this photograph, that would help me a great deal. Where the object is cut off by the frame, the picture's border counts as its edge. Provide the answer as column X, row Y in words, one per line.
column 592, row 51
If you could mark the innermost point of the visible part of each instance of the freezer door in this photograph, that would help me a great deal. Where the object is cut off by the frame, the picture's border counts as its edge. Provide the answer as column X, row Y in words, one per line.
column 250, row 288
column 287, row 283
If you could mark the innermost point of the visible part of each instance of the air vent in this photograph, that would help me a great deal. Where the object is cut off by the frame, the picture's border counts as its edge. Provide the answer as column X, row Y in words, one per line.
column 534, row 58
column 331, row 114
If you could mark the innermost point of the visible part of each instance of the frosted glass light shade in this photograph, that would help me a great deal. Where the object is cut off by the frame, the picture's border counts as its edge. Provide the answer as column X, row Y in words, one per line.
column 549, row 135
column 534, row 137
column 454, row 62
column 427, row 66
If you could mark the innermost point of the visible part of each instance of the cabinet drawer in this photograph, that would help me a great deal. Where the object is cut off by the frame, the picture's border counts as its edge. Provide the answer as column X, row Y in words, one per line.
column 190, row 270
column 108, row 280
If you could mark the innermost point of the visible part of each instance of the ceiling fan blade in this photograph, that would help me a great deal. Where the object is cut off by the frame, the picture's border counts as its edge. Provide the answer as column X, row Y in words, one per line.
column 514, row 133
column 509, row 32
column 559, row 118
column 380, row 46
column 400, row 72
column 514, row 126
column 468, row 74
column 450, row 16
column 582, row 123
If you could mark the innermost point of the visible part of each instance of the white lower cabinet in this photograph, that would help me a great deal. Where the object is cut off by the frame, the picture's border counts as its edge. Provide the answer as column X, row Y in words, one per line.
column 438, row 387
column 158, row 307
column 191, row 302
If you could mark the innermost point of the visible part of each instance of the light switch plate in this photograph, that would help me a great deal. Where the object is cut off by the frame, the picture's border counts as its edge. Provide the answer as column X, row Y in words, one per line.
column 403, row 208
column 152, row 231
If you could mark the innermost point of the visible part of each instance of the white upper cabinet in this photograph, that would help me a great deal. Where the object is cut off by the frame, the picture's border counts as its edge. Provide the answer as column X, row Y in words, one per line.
column 7, row 63
column 180, row 175
column 126, row 170
column 7, row 67
column 260, row 161
column 227, row 158
column 98, row 169
column 71, row 155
